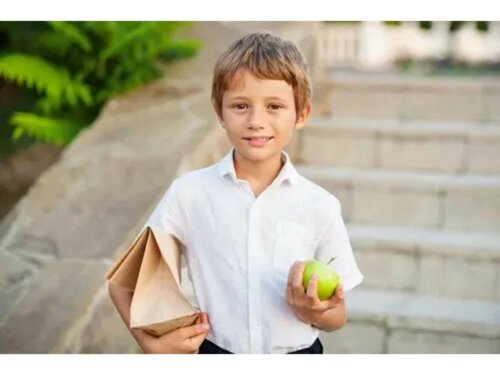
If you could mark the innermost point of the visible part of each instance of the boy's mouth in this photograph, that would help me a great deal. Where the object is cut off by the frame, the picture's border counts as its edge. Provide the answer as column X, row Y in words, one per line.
column 257, row 138
column 257, row 141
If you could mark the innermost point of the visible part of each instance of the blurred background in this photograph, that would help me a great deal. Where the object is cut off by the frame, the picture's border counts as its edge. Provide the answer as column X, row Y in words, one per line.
column 97, row 118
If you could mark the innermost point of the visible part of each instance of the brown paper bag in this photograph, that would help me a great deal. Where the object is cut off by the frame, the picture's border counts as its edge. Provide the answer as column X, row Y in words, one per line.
column 151, row 268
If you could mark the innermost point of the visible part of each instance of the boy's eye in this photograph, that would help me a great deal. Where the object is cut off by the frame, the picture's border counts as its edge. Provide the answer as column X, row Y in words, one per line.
column 275, row 107
column 240, row 106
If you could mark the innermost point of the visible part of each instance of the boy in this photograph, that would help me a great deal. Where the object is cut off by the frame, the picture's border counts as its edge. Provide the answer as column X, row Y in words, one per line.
column 247, row 222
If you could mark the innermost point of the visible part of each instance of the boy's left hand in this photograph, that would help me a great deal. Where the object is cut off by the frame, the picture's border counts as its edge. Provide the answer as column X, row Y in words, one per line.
column 305, row 303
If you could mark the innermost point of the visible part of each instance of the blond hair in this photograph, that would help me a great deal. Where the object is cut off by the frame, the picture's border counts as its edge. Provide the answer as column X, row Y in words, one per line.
column 266, row 56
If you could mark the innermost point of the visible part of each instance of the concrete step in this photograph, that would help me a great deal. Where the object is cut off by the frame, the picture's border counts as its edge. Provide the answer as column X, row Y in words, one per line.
column 413, row 199
column 394, row 145
column 394, row 322
column 432, row 262
column 402, row 98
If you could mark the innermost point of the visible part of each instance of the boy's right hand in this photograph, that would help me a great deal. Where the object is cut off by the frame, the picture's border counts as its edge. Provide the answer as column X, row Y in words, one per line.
column 185, row 340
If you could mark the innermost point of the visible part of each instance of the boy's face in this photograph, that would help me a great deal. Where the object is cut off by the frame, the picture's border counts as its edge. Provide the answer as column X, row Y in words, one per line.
column 253, row 108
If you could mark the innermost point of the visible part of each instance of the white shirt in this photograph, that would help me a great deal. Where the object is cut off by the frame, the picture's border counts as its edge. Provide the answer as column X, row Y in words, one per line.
column 239, row 249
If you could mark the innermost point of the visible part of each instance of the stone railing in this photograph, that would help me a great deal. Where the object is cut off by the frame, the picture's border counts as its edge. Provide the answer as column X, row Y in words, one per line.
column 338, row 45
column 375, row 45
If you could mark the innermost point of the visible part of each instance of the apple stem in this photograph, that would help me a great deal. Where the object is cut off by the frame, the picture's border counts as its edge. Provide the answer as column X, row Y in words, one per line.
column 331, row 260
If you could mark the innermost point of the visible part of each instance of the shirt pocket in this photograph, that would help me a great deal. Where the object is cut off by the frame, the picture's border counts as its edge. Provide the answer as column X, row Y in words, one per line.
column 293, row 242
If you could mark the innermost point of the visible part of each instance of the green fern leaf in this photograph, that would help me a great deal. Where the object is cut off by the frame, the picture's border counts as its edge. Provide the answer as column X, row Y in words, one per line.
column 179, row 49
column 53, row 43
column 56, row 131
column 73, row 33
column 17, row 133
column 37, row 73
column 47, row 106
column 120, row 42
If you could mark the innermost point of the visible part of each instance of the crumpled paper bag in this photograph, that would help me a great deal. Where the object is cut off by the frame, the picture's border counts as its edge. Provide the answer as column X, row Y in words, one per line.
column 151, row 269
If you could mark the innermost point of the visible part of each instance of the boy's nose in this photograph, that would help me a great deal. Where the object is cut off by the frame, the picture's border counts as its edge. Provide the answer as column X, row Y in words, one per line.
column 256, row 119
column 253, row 125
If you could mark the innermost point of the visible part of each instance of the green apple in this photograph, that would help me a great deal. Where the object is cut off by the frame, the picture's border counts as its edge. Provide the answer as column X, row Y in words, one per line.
column 328, row 279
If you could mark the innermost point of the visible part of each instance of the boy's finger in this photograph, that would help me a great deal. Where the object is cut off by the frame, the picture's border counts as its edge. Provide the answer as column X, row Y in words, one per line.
column 194, row 330
column 298, row 288
column 198, row 319
column 312, row 289
column 338, row 296
column 339, row 291
column 204, row 318
column 291, row 272
column 196, row 341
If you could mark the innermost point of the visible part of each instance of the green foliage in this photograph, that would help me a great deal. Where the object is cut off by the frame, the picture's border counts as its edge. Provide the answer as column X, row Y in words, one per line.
column 392, row 23
column 51, row 81
column 482, row 26
column 453, row 27
column 426, row 25
column 71, row 34
column 75, row 67
column 56, row 131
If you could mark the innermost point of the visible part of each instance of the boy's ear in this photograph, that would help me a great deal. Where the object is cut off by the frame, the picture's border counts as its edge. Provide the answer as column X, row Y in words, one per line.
column 302, row 117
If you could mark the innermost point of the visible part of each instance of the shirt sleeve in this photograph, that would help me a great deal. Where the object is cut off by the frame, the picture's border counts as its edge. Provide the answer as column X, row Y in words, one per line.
column 335, row 243
column 168, row 216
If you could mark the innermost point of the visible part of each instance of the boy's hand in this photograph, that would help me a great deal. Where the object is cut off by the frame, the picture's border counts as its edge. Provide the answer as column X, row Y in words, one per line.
column 185, row 340
column 305, row 303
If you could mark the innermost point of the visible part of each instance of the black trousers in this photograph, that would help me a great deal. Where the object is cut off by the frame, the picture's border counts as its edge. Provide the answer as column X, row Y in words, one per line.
column 208, row 347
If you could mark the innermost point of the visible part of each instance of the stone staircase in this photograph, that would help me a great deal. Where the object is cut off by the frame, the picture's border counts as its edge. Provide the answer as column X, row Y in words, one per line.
column 416, row 166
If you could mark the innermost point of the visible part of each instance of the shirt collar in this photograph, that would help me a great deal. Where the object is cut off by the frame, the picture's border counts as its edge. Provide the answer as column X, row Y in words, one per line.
column 287, row 172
